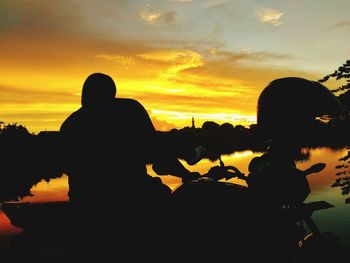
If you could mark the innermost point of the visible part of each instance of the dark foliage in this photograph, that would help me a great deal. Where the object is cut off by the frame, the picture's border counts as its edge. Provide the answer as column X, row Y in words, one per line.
column 342, row 73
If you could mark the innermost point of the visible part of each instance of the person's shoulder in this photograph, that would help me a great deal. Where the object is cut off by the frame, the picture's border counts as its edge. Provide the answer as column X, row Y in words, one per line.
column 75, row 114
column 71, row 119
column 130, row 103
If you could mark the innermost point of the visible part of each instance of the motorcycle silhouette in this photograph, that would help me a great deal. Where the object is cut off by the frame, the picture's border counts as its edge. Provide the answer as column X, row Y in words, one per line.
column 224, row 210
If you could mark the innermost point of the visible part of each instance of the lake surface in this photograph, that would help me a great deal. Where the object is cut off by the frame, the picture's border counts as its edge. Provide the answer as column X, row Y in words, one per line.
column 335, row 220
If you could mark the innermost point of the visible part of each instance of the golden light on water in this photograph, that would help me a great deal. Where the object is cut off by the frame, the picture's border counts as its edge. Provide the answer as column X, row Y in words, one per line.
column 54, row 190
column 327, row 177
column 57, row 189
column 237, row 159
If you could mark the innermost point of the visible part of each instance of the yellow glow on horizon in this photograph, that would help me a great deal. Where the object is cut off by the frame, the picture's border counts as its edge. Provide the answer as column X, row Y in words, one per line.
column 185, row 117
column 39, row 88
column 31, row 79
column 41, row 97
column 162, row 98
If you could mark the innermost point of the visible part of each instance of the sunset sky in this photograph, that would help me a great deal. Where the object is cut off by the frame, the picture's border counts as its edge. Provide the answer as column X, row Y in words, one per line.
column 180, row 58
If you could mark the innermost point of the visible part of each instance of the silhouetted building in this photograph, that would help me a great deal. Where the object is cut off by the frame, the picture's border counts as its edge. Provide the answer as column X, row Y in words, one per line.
column 193, row 126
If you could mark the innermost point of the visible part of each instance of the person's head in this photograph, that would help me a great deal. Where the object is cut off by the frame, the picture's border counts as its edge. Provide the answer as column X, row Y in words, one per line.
column 288, row 107
column 98, row 90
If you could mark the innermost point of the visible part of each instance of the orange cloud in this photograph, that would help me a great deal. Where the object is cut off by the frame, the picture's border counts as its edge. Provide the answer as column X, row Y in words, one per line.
column 161, row 125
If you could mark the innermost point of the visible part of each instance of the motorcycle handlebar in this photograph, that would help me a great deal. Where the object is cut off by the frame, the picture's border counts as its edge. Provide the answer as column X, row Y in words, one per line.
column 219, row 172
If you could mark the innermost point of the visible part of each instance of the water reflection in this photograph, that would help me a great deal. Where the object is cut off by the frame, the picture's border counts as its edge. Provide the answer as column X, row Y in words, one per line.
column 238, row 159
column 49, row 191
column 324, row 179
column 335, row 220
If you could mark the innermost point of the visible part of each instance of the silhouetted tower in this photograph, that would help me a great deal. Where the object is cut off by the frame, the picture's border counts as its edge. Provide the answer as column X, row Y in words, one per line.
column 193, row 127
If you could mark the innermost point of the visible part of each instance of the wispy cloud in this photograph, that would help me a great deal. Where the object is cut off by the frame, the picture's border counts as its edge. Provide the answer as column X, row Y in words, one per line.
column 151, row 16
column 342, row 24
column 162, row 125
column 166, row 64
column 182, row 1
column 270, row 16
column 214, row 3
column 247, row 54
column 178, row 60
column 172, row 56
column 124, row 60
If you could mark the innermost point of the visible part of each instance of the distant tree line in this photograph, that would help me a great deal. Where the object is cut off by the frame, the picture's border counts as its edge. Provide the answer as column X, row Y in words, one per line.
column 25, row 160
column 226, row 138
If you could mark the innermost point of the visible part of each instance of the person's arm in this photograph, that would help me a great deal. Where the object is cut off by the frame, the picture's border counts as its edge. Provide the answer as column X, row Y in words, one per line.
column 162, row 156
column 172, row 166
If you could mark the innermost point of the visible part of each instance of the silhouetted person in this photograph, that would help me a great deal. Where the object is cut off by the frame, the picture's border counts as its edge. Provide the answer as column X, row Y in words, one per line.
column 287, row 109
column 107, row 144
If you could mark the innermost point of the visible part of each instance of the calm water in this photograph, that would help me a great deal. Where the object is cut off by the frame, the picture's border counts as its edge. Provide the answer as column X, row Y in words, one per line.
column 336, row 220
